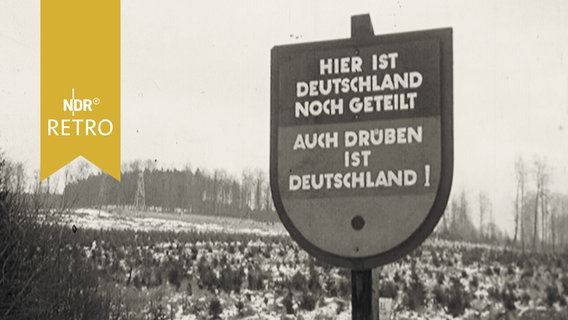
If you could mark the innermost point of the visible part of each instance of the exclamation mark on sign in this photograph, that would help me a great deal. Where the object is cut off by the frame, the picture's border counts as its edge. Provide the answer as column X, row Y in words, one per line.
column 427, row 174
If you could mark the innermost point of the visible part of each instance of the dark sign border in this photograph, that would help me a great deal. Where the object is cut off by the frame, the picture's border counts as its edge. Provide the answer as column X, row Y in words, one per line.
column 446, row 94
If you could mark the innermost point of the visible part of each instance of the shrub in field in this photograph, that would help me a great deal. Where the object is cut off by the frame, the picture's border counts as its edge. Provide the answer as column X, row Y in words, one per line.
column 494, row 293
column 252, row 252
column 457, row 298
column 174, row 277
column 151, row 278
column 474, row 283
column 193, row 255
column 308, row 301
column 497, row 270
column 439, row 295
column 137, row 282
column 240, row 305
column 508, row 298
column 331, row 287
column 415, row 292
column 215, row 308
column 231, row 279
column 564, row 281
column 388, row 289
column 298, row 282
column 231, row 249
column 256, row 278
column 266, row 253
column 525, row 298
column 214, row 263
column 435, row 260
column 440, row 278
column 223, row 262
column 344, row 287
column 427, row 272
column 156, row 278
column 207, row 277
column 552, row 295
column 396, row 278
column 510, row 270
column 288, row 303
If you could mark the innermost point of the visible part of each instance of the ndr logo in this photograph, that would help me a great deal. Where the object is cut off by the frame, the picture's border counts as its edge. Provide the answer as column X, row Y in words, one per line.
column 76, row 105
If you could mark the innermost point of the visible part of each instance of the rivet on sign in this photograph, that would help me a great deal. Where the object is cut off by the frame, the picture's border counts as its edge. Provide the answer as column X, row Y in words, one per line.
column 357, row 222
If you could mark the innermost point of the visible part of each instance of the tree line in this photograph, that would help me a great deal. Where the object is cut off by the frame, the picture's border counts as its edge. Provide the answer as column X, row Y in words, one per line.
column 539, row 220
column 540, row 216
column 185, row 191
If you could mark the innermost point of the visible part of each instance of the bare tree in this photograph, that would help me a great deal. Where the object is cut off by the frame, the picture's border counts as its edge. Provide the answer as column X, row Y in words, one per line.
column 483, row 203
column 462, row 226
column 247, row 182
column 463, row 210
column 268, row 198
column 259, row 184
column 553, row 228
column 520, row 175
column 541, row 181
column 453, row 214
column 494, row 231
column 561, row 221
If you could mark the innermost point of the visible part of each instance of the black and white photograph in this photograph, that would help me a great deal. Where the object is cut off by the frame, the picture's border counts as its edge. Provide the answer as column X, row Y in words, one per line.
column 281, row 160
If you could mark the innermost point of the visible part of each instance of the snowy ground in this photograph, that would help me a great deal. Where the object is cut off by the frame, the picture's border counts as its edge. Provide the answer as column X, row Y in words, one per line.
column 146, row 221
column 440, row 280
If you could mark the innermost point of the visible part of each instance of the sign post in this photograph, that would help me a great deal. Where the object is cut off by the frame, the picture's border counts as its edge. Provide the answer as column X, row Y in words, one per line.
column 361, row 294
column 361, row 147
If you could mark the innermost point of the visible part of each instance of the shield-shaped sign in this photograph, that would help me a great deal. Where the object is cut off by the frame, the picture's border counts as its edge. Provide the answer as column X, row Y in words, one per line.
column 361, row 154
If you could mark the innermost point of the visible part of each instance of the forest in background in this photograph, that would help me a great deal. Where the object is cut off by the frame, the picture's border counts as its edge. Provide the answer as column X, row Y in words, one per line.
column 539, row 217
column 183, row 191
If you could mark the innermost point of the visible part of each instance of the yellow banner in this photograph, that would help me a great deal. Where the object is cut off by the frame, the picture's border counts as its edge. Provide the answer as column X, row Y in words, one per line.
column 80, row 84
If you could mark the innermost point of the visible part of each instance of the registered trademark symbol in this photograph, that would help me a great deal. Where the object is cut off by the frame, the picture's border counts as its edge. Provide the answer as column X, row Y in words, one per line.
column 96, row 101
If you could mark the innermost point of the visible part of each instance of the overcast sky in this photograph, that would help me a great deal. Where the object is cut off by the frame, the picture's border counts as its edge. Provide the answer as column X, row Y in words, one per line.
column 196, row 80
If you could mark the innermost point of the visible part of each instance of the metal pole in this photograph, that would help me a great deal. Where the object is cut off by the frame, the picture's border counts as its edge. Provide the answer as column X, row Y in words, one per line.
column 361, row 294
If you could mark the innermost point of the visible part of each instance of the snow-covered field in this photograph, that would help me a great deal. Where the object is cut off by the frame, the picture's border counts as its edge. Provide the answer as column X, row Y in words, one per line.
column 193, row 267
column 147, row 221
